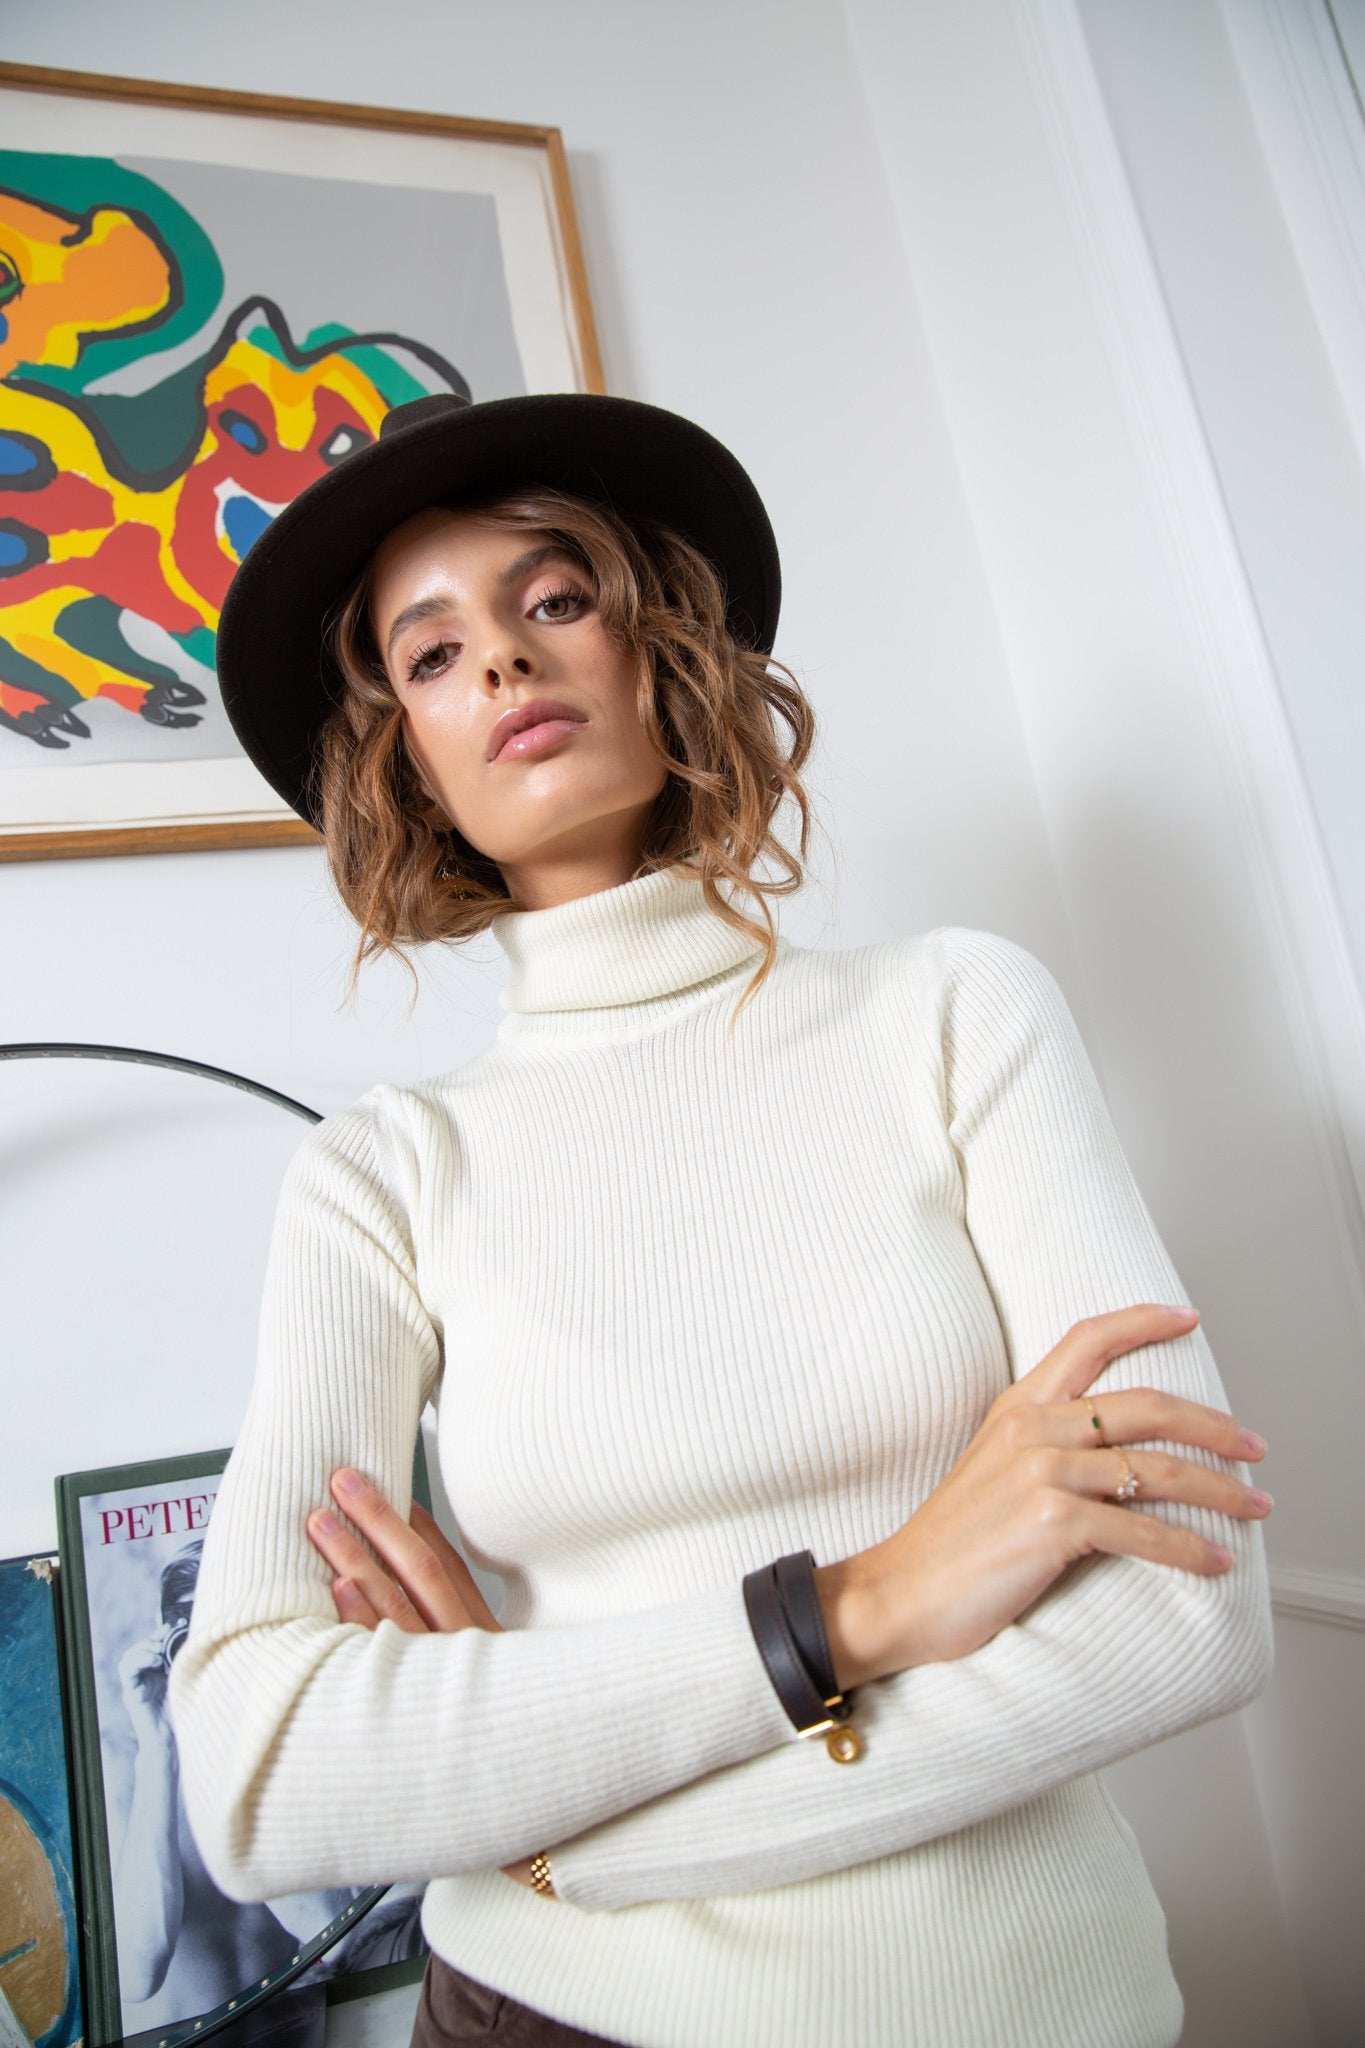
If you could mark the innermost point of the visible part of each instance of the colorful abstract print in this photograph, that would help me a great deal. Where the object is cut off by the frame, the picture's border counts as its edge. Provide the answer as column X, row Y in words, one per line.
column 134, row 476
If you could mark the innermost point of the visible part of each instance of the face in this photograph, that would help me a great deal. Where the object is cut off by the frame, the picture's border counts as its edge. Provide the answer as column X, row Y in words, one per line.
column 475, row 621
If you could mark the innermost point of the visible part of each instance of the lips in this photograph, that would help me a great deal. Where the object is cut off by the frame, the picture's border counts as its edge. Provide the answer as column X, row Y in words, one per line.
column 539, row 712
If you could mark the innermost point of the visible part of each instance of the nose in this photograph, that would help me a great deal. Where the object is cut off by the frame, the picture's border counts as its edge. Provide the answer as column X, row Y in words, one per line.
column 504, row 655
column 518, row 665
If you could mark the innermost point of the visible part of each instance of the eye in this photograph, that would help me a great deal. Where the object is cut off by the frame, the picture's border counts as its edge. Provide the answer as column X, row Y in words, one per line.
column 565, row 601
column 429, row 660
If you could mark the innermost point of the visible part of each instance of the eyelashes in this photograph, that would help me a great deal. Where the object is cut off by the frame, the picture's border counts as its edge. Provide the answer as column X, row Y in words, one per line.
column 416, row 667
column 563, row 593
column 434, row 656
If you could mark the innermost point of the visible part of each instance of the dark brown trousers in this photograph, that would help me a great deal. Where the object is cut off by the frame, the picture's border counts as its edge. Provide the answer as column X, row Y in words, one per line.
column 454, row 2009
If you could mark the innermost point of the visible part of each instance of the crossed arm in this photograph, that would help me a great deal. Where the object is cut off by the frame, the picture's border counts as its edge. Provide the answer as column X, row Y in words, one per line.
column 1041, row 1630
column 1053, row 1692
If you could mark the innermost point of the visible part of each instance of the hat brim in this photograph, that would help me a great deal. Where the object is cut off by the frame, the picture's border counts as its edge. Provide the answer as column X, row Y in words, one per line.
column 277, row 680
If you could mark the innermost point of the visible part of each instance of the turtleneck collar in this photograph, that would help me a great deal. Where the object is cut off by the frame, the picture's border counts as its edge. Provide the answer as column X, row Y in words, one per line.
column 636, row 953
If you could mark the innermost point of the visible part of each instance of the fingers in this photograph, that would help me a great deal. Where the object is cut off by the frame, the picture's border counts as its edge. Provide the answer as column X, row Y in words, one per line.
column 352, row 1606
column 1098, row 1473
column 362, row 1590
column 419, row 1572
column 1147, row 1415
column 476, row 1607
column 1076, row 1362
column 1122, row 1533
column 1076, row 1499
column 140, row 1657
column 415, row 1577
column 1096, row 1341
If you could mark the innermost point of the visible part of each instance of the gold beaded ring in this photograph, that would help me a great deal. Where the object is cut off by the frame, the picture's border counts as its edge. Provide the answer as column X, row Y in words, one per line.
column 1095, row 1419
column 541, row 1881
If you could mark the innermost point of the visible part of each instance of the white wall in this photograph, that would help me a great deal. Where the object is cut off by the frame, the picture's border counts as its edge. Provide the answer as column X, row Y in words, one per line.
column 848, row 241
column 1085, row 206
column 760, row 289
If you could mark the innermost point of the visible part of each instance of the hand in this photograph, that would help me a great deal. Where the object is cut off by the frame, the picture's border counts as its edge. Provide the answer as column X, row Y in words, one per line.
column 142, row 1676
column 420, row 1582
column 1032, row 1493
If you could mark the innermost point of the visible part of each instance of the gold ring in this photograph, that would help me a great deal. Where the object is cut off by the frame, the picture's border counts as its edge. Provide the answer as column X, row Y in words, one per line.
column 1095, row 1420
column 1130, row 1482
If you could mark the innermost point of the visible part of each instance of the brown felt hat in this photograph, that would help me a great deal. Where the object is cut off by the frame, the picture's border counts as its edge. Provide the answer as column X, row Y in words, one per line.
column 277, row 677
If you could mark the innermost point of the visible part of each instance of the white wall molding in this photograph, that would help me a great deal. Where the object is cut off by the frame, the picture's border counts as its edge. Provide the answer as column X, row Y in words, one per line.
column 1285, row 857
column 1318, row 1596
column 1304, row 106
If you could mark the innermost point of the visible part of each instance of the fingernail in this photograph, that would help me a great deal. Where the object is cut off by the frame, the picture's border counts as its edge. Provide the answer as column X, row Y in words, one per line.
column 326, row 1524
column 1262, row 1502
column 1252, row 1443
column 1178, row 1308
column 1221, row 1557
column 348, row 1481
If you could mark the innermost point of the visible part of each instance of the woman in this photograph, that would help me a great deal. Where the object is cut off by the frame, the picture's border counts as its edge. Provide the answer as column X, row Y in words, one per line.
column 727, row 1255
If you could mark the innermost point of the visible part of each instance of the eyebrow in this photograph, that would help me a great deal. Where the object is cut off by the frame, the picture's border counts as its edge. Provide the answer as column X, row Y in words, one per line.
column 431, row 607
column 424, row 608
column 532, row 559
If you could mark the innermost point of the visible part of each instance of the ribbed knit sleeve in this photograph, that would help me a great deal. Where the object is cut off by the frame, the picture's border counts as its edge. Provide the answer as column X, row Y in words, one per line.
column 1120, row 1652
column 317, row 1754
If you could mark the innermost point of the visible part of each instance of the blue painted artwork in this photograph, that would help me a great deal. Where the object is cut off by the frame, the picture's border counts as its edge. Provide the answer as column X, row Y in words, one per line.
column 39, row 1973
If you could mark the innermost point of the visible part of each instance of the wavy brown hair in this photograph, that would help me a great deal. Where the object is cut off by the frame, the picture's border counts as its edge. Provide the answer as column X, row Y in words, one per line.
column 713, row 712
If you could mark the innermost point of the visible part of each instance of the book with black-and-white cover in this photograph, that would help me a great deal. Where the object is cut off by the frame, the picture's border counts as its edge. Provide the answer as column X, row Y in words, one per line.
column 161, row 1944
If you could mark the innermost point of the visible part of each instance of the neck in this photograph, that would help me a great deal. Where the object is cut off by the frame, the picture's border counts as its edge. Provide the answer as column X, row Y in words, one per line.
column 543, row 888
column 620, row 959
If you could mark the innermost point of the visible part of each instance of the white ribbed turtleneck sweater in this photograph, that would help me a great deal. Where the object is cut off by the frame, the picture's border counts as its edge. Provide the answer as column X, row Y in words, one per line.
column 689, row 1300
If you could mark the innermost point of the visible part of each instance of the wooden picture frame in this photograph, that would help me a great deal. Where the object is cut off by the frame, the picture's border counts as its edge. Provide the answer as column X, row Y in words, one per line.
column 205, row 299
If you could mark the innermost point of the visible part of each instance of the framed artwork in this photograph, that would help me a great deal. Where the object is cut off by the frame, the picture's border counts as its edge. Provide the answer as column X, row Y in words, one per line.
column 40, row 1988
column 167, row 1956
column 207, row 299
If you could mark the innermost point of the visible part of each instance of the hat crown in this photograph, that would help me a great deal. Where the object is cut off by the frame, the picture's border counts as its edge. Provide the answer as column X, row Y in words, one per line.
column 422, row 411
